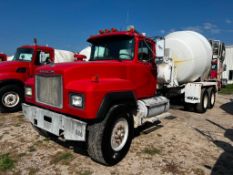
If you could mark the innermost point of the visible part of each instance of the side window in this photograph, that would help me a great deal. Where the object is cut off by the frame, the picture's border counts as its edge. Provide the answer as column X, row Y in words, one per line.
column 43, row 58
column 100, row 52
column 214, row 67
column 145, row 51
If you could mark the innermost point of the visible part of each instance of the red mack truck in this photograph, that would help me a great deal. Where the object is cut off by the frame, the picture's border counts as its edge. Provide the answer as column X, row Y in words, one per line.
column 14, row 73
column 97, row 101
column 101, row 101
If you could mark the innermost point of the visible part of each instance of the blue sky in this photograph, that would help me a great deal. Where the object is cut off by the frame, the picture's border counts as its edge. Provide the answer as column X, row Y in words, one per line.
column 66, row 24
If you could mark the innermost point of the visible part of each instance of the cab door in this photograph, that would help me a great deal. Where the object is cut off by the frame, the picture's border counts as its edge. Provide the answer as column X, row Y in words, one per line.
column 41, row 57
column 145, row 70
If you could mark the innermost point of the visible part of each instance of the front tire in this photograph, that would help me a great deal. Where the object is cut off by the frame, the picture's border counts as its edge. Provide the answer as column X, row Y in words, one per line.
column 11, row 97
column 203, row 105
column 110, row 140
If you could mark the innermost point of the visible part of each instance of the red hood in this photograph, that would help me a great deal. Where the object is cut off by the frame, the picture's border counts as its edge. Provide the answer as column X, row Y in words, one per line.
column 87, row 70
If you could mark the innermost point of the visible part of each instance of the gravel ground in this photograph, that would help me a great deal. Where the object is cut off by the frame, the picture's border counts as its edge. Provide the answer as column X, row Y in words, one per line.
column 186, row 143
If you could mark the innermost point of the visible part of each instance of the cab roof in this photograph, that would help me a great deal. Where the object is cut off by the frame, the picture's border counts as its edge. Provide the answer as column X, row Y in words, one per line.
column 114, row 32
column 36, row 47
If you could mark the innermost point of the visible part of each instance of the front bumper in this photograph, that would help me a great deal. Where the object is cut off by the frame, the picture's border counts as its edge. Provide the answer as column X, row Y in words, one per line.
column 57, row 124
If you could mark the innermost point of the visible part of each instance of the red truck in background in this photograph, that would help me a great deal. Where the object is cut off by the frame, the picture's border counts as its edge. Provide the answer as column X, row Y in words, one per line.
column 13, row 73
column 3, row 57
column 100, row 101
column 217, row 66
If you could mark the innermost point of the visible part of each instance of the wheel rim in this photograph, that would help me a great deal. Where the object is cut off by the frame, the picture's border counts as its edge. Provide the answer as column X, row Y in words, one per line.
column 10, row 99
column 119, row 134
column 212, row 100
column 205, row 103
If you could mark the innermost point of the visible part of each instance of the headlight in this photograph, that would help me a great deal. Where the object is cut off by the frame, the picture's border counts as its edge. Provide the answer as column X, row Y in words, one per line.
column 76, row 100
column 28, row 91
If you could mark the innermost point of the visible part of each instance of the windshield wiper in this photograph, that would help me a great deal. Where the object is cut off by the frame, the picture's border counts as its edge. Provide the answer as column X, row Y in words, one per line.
column 104, row 58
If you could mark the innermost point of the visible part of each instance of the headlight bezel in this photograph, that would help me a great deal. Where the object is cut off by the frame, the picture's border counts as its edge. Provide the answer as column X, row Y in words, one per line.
column 26, row 90
column 72, row 95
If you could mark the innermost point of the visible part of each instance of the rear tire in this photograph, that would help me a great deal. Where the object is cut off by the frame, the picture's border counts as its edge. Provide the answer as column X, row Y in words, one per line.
column 110, row 140
column 11, row 97
column 212, row 98
column 203, row 105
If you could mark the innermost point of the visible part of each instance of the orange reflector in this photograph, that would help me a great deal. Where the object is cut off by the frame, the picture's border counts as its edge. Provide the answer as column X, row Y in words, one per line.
column 95, row 78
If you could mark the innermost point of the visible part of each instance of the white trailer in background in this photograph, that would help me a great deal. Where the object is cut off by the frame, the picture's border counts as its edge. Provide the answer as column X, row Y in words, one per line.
column 87, row 52
column 183, row 63
column 10, row 58
column 63, row 56
column 228, row 73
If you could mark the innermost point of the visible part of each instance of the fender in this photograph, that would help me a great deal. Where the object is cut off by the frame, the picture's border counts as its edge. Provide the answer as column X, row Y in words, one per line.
column 11, row 81
column 101, row 96
column 13, row 76
column 126, row 98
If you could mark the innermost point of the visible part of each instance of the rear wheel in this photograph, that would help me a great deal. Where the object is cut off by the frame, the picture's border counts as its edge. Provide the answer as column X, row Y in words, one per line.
column 203, row 105
column 110, row 140
column 212, row 97
column 11, row 97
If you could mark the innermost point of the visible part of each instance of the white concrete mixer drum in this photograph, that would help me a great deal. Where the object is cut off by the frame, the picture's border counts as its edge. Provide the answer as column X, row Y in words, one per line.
column 192, row 54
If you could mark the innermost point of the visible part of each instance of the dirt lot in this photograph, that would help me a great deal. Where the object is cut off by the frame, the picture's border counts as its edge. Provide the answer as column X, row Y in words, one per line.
column 187, row 143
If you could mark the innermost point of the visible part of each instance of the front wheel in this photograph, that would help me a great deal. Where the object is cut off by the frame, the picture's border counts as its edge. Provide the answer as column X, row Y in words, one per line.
column 110, row 140
column 11, row 97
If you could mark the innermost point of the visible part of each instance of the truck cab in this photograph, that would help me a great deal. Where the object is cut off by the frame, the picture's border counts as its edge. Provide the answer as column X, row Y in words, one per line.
column 217, row 66
column 13, row 74
column 100, row 101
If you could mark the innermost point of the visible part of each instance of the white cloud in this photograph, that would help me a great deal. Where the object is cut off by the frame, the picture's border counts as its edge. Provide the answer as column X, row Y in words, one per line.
column 228, row 21
column 212, row 28
column 205, row 27
column 162, row 31
column 194, row 28
column 172, row 30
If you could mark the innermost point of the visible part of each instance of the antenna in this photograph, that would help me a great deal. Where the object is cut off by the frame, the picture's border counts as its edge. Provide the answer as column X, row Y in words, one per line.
column 35, row 41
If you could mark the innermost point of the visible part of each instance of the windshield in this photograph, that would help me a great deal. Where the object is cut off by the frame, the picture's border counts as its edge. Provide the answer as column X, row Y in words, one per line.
column 214, row 67
column 119, row 48
column 23, row 54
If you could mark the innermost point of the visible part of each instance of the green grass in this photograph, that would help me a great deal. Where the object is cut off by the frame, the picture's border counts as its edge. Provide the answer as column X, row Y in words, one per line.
column 151, row 151
column 227, row 90
column 63, row 157
column 6, row 162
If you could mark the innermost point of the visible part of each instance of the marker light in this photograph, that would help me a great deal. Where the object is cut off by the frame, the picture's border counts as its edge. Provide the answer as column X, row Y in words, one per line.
column 28, row 91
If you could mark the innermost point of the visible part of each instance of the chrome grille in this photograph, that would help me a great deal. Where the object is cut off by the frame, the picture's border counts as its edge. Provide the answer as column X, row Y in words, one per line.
column 49, row 90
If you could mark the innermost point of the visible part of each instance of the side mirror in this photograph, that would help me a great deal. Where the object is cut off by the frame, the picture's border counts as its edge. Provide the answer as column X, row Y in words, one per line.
column 80, row 57
column 224, row 67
